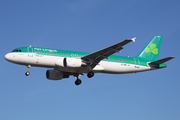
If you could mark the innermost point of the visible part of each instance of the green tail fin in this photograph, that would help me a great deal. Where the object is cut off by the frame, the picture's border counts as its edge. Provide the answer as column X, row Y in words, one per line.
column 151, row 51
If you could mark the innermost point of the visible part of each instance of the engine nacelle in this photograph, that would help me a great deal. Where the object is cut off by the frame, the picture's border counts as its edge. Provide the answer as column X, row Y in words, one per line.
column 55, row 75
column 69, row 62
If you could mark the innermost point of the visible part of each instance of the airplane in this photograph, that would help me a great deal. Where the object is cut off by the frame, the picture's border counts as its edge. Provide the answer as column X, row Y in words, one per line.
column 65, row 63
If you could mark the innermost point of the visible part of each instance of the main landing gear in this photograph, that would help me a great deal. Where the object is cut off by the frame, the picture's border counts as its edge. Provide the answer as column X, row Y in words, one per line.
column 28, row 68
column 78, row 81
column 90, row 74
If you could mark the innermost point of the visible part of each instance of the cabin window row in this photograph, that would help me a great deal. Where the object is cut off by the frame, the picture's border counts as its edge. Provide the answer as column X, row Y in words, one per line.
column 58, row 54
column 119, row 60
column 72, row 55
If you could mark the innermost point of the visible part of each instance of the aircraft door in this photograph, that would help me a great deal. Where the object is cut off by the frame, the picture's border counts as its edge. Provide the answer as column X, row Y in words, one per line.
column 30, row 51
column 136, row 62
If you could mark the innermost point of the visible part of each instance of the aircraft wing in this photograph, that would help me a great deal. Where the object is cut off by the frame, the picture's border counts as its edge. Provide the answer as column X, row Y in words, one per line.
column 94, row 58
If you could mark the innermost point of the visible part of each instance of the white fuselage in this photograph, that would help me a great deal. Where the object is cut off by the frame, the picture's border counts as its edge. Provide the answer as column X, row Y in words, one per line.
column 49, row 62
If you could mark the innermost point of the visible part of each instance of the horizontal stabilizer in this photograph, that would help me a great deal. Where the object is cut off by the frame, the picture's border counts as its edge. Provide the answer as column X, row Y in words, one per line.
column 158, row 62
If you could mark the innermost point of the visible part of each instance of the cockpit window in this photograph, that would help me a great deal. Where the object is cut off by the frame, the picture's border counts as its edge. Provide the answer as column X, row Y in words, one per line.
column 16, row 50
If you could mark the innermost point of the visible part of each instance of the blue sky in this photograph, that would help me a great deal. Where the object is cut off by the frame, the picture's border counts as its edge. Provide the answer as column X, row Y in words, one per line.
column 88, row 26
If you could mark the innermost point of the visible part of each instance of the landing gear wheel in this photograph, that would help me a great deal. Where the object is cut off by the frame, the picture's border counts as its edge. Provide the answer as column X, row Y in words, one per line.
column 90, row 74
column 28, row 68
column 27, row 73
column 78, row 82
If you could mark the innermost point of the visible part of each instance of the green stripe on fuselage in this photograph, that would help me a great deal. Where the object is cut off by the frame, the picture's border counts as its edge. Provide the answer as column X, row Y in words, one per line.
column 65, row 53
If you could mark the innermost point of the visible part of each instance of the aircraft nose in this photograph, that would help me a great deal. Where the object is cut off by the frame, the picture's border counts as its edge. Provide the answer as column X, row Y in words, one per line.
column 7, row 57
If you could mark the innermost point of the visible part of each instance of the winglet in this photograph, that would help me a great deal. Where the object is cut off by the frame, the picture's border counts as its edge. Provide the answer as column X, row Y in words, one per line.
column 133, row 39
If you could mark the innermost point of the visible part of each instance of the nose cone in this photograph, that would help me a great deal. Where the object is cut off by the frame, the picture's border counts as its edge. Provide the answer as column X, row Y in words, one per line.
column 8, row 57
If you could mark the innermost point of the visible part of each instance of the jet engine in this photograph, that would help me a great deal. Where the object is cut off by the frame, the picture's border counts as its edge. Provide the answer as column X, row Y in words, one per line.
column 69, row 62
column 56, row 75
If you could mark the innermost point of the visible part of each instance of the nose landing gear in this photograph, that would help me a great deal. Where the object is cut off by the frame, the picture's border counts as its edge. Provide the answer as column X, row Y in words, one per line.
column 27, row 73
column 28, row 68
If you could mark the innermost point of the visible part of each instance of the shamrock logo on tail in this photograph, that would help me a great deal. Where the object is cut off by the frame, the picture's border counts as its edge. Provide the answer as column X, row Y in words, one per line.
column 152, row 49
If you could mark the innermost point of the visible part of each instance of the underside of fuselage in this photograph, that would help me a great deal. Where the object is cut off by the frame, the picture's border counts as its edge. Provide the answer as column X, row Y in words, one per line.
column 49, row 62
